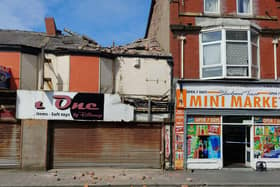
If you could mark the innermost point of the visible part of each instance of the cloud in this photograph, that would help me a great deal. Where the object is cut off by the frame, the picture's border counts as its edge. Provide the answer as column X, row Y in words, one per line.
column 22, row 14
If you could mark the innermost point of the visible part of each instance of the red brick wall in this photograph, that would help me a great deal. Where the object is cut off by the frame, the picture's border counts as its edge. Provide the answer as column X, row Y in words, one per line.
column 261, row 9
column 84, row 74
column 266, row 58
column 191, row 58
column 12, row 60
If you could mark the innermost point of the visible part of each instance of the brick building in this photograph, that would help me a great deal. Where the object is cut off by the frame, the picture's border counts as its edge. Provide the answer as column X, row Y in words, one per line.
column 226, row 72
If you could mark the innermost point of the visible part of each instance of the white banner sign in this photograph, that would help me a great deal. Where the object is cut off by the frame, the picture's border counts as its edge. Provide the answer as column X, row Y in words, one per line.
column 71, row 106
column 228, row 97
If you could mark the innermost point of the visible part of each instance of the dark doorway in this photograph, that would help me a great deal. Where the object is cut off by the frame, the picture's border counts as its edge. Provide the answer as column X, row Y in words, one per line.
column 234, row 145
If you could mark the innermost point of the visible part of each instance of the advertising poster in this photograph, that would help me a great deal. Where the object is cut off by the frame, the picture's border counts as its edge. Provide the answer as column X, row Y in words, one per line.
column 204, row 141
column 167, row 142
column 267, row 142
column 179, row 160
column 179, row 138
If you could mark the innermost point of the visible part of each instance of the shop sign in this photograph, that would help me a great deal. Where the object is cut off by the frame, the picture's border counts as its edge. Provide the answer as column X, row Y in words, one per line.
column 228, row 97
column 204, row 119
column 69, row 106
column 268, row 120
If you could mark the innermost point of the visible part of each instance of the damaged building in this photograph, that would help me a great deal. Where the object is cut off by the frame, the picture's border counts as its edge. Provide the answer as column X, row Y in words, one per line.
column 68, row 102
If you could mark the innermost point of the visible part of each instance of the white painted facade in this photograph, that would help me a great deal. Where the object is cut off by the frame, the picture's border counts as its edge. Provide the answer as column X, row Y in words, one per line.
column 59, row 72
column 142, row 76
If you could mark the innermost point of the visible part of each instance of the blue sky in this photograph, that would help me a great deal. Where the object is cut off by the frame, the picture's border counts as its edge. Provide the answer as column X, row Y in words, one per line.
column 105, row 21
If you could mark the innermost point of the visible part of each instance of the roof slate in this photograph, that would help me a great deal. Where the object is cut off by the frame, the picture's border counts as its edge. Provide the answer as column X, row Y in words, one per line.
column 82, row 43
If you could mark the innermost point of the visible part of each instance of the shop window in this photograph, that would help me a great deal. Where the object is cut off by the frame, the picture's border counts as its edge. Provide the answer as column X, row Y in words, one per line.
column 267, row 138
column 228, row 53
column 267, row 142
column 203, row 140
column 244, row 6
column 211, row 6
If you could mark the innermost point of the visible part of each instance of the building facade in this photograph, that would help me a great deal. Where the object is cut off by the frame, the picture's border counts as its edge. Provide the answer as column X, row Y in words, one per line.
column 226, row 75
column 73, row 103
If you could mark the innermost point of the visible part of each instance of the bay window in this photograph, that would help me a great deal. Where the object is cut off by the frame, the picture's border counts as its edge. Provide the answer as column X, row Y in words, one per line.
column 229, row 53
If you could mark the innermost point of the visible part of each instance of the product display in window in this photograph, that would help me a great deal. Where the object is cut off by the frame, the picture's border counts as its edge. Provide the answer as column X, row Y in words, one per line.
column 267, row 142
column 204, row 141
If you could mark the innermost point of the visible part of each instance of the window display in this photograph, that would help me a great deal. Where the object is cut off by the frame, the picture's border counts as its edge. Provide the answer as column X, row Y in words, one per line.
column 267, row 141
column 203, row 141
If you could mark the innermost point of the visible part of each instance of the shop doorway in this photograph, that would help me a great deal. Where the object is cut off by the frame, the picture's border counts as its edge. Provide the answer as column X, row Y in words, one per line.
column 234, row 145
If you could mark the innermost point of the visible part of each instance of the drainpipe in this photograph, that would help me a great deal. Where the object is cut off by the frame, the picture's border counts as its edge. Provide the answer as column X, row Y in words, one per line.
column 182, row 38
column 275, row 43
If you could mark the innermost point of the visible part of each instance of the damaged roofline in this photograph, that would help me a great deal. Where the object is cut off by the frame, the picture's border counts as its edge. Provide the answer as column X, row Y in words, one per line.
column 143, row 56
column 34, row 50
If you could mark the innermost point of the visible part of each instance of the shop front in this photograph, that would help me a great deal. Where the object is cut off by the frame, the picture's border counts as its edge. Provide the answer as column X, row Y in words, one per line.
column 220, row 125
column 10, row 130
column 86, row 129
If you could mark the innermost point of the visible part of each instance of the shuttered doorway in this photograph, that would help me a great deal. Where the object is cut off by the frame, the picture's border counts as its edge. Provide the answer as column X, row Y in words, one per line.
column 10, row 138
column 119, row 145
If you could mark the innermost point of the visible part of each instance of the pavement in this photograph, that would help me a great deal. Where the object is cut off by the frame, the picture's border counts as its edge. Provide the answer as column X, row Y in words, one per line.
column 101, row 177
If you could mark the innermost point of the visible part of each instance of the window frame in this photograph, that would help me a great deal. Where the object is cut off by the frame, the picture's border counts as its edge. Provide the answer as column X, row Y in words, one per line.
column 245, row 13
column 208, row 12
column 224, row 53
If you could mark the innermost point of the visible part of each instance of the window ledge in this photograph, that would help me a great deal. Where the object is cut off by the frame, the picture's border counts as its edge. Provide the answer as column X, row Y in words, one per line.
column 218, row 15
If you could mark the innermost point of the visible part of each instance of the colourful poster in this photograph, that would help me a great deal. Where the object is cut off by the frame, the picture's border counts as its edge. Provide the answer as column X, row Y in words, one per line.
column 179, row 146
column 179, row 160
column 214, row 129
column 204, row 147
column 203, row 130
column 259, row 130
column 267, row 145
column 192, row 130
column 179, row 130
column 179, row 137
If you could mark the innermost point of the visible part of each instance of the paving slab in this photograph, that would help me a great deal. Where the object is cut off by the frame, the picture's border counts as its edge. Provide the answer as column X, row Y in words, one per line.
column 100, row 177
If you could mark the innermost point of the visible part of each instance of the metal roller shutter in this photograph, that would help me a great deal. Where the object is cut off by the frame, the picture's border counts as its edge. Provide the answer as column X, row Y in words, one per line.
column 113, row 145
column 10, row 138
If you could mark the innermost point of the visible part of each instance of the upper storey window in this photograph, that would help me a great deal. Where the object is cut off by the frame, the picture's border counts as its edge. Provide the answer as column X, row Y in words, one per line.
column 229, row 53
column 212, row 6
column 244, row 6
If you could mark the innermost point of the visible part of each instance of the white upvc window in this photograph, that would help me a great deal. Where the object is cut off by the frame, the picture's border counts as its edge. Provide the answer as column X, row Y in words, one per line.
column 244, row 7
column 229, row 53
column 212, row 6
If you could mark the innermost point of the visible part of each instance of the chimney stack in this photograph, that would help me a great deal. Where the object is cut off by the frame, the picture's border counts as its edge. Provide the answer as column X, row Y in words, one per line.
column 50, row 26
